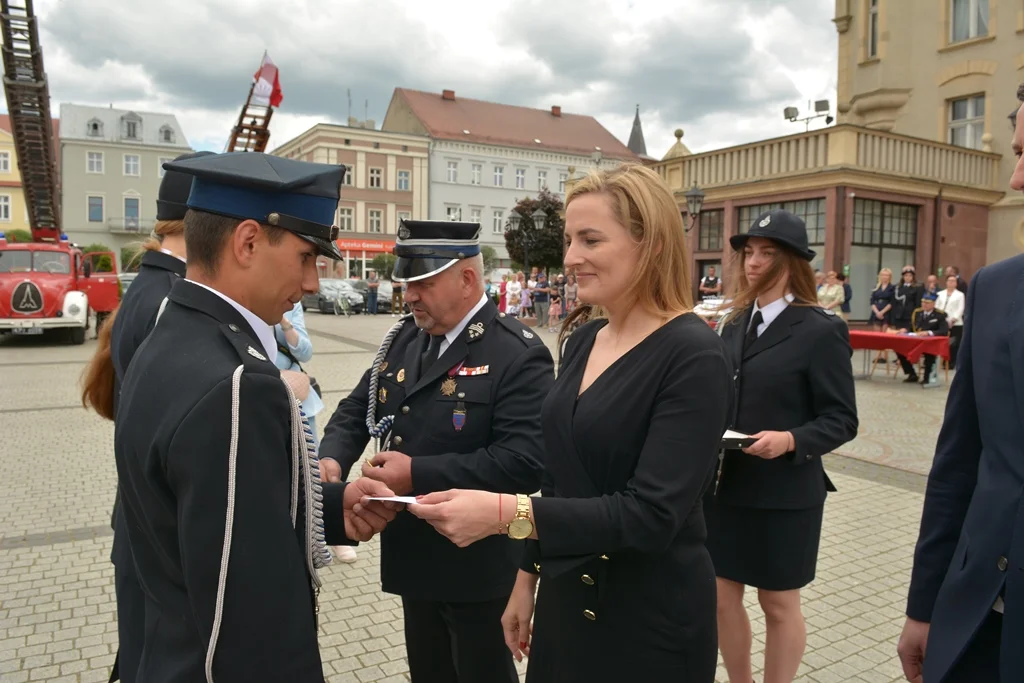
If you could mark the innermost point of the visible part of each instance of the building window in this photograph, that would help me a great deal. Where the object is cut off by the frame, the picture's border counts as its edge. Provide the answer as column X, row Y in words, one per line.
column 404, row 216
column 520, row 178
column 95, row 209
column 160, row 165
column 498, row 224
column 499, row 176
column 884, row 236
column 5, row 208
column 968, row 19
column 403, row 181
column 131, row 164
column 94, row 128
column 478, row 170
column 376, row 223
column 872, row 29
column 710, row 230
column 376, row 178
column 131, row 213
column 453, row 171
column 542, row 180
column 345, row 222
column 166, row 134
column 94, row 162
column 453, row 213
column 967, row 122
column 350, row 173
column 5, row 162
column 474, row 216
column 812, row 211
column 562, row 177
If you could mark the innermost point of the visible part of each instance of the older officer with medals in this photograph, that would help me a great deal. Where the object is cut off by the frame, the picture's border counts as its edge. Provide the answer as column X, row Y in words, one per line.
column 219, row 479
column 454, row 400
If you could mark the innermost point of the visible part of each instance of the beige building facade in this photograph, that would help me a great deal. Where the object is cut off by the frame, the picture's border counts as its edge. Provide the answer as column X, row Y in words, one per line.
column 386, row 180
column 943, row 70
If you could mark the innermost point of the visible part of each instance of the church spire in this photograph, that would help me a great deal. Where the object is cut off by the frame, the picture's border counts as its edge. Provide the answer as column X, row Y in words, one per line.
column 636, row 136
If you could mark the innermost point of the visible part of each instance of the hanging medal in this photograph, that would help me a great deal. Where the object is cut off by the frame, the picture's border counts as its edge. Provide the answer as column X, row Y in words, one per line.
column 459, row 416
column 448, row 386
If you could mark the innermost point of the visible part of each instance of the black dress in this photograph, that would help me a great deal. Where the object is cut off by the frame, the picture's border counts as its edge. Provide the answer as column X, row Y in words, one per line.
column 627, row 588
column 764, row 516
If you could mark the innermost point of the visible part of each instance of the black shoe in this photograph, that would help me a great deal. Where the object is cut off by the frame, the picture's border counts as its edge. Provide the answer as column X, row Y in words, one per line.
column 912, row 379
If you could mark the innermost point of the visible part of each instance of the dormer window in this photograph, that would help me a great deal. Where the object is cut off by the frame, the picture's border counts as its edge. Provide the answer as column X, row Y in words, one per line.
column 166, row 134
column 131, row 126
column 94, row 128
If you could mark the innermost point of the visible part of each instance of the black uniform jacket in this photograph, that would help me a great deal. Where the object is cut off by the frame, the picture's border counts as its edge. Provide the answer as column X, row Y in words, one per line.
column 905, row 300
column 498, row 448
column 796, row 377
column 935, row 323
column 136, row 316
column 172, row 440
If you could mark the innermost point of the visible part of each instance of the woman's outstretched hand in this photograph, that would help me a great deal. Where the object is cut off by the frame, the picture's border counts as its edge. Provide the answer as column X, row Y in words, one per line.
column 463, row 516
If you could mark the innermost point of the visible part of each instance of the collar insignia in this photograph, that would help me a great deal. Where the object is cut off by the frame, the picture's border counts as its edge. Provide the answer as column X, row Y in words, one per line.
column 255, row 354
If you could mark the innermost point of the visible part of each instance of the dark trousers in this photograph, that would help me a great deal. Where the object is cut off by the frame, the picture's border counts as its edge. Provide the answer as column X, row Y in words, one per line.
column 131, row 605
column 457, row 642
column 980, row 661
column 371, row 302
column 929, row 364
column 956, row 335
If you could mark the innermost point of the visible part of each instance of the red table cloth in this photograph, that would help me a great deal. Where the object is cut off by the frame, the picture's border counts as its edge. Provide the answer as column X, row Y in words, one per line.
column 905, row 345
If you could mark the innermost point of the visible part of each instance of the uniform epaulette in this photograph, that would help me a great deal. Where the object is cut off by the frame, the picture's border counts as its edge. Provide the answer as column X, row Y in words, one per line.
column 252, row 357
column 828, row 313
column 519, row 330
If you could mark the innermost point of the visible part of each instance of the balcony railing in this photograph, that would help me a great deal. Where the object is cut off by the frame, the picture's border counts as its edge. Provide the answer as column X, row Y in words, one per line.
column 131, row 225
column 835, row 148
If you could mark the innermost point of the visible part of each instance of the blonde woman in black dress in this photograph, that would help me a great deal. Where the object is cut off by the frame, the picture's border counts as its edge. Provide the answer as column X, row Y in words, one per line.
column 631, row 432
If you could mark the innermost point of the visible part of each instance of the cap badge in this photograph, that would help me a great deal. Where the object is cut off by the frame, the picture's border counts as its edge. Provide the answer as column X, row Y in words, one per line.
column 273, row 218
column 476, row 330
column 764, row 223
column 403, row 232
column 255, row 354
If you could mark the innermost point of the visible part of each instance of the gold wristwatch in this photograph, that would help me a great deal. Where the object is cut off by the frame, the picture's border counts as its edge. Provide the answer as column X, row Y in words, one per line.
column 521, row 526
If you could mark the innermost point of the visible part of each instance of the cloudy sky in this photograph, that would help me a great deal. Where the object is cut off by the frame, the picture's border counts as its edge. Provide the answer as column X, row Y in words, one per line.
column 721, row 70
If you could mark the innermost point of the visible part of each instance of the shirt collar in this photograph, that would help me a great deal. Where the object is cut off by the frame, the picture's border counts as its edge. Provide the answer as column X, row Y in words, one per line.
column 264, row 332
column 171, row 253
column 772, row 310
column 454, row 333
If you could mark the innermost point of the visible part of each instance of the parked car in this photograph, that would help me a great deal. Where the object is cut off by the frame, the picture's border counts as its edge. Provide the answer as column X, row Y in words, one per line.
column 326, row 298
column 126, row 280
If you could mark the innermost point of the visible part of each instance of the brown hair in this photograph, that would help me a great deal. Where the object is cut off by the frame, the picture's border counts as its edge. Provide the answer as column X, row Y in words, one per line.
column 205, row 234
column 801, row 281
column 99, row 379
column 644, row 205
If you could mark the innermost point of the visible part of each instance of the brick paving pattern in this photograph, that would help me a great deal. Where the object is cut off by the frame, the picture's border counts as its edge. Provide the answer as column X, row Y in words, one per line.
column 57, row 478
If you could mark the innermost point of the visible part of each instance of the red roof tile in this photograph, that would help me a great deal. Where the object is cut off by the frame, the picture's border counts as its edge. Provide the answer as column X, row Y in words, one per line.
column 447, row 117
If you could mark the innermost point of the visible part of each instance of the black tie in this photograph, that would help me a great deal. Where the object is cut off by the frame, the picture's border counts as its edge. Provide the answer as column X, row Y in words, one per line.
column 751, row 337
column 430, row 355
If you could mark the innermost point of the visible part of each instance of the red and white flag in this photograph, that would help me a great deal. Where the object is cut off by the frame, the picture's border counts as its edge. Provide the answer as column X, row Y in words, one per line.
column 268, row 87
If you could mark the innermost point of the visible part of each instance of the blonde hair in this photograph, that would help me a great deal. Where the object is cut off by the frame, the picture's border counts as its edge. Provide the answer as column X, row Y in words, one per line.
column 878, row 285
column 643, row 204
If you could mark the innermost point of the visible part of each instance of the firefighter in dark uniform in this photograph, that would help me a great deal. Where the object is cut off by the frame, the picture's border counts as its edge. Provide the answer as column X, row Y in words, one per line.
column 928, row 322
column 453, row 400
column 219, row 480
column 161, row 266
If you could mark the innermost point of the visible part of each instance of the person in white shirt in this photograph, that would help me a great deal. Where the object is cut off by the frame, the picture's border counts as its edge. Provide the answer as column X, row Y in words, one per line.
column 953, row 303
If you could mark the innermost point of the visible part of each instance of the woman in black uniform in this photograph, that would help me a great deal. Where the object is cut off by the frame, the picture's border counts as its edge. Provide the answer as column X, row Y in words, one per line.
column 124, row 331
column 631, row 429
column 795, row 395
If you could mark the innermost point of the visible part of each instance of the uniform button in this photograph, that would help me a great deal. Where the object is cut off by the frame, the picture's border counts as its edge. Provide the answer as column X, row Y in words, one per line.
column 233, row 327
column 808, row 456
column 536, row 567
column 501, row 315
column 398, row 441
column 405, row 410
column 587, row 579
column 1003, row 563
column 589, row 615
column 604, row 557
column 462, row 394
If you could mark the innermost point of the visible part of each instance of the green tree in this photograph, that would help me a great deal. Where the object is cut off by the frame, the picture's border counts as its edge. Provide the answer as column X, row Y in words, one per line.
column 19, row 235
column 131, row 259
column 534, row 245
column 384, row 264
column 490, row 257
column 94, row 247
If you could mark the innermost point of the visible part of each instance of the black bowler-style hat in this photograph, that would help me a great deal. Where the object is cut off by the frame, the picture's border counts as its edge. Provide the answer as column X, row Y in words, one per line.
column 780, row 226
column 298, row 196
column 425, row 248
column 172, row 199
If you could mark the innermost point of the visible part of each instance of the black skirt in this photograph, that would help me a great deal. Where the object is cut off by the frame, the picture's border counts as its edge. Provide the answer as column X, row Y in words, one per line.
column 775, row 550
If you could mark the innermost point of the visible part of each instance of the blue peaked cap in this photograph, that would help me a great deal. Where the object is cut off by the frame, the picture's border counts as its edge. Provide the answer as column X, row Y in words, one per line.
column 298, row 196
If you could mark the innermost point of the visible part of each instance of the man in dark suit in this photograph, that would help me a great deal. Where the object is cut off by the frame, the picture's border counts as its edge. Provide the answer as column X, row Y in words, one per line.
column 965, row 610
column 215, row 465
column 927, row 323
column 454, row 400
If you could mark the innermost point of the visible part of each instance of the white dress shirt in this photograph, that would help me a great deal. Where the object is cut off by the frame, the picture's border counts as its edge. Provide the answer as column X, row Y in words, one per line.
column 770, row 312
column 264, row 332
column 454, row 333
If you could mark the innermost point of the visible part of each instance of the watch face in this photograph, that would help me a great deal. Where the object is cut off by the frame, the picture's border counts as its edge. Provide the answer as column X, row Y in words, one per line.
column 520, row 529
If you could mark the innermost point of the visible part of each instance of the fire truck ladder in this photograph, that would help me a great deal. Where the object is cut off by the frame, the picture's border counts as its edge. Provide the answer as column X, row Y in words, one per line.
column 28, row 102
column 252, row 132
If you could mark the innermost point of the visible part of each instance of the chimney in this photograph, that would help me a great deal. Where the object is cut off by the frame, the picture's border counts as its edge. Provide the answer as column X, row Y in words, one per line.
column 556, row 111
column 448, row 95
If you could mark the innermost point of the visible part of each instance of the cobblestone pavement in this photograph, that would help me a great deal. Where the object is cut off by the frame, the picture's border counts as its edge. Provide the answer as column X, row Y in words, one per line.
column 57, row 477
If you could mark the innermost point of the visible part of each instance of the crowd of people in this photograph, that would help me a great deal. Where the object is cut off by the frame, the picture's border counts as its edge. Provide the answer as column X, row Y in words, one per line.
column 678, row 464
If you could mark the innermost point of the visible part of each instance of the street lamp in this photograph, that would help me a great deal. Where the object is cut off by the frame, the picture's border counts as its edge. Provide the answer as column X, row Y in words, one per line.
column 694, row 203
column 526, row 237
